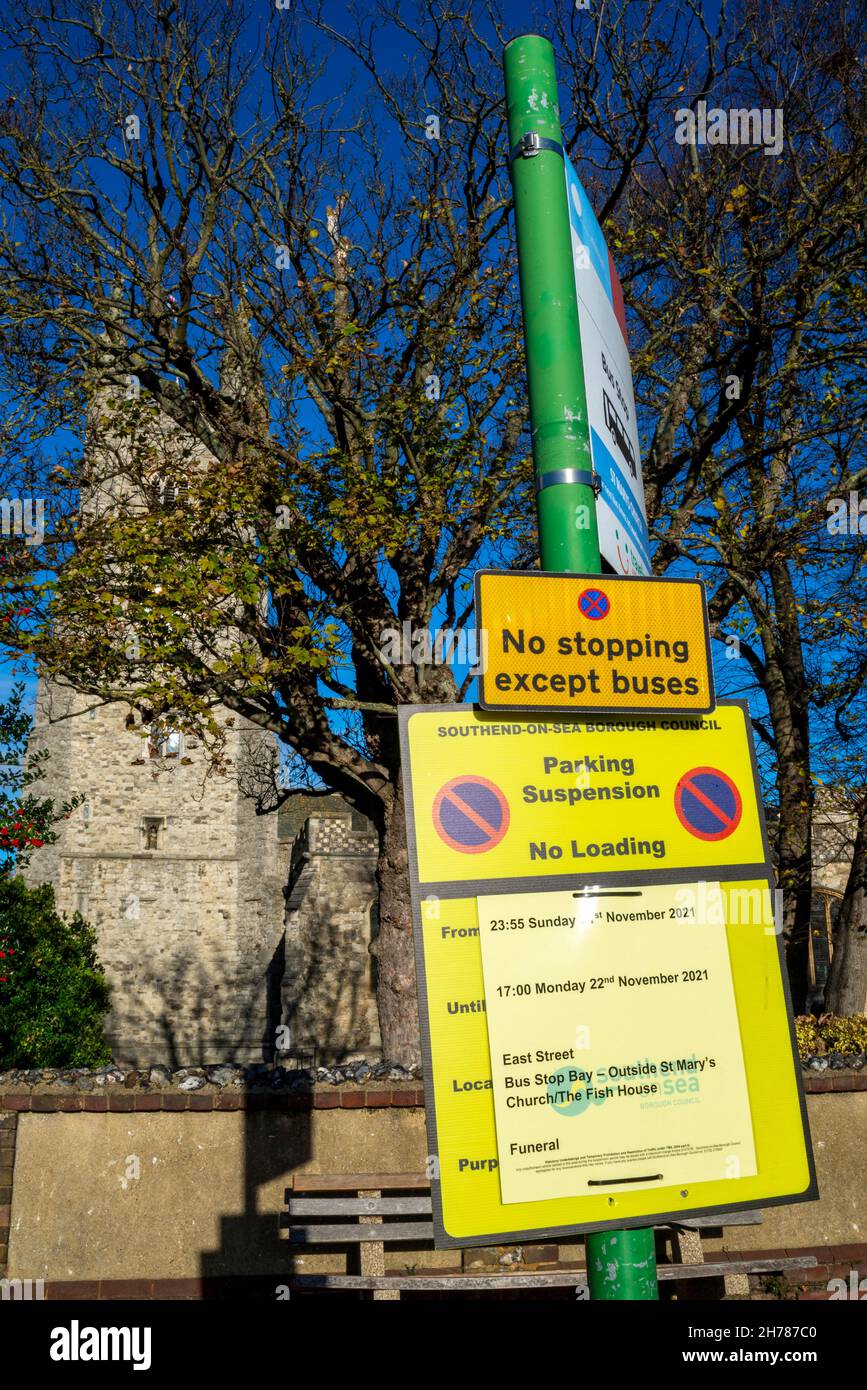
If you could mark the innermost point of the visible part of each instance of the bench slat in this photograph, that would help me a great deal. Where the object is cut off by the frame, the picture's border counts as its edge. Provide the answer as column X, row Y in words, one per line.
column 562, row 1279
column 418, row 1182
column 340, row 1234
column 439, row 1281
column 358, row 1182
column 716, row 1269
column 724, row 1218
column 360, row 1206
column 422, row 1206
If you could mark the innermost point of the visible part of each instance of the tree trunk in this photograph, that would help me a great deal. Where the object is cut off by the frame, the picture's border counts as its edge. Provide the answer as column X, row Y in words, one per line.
column 393, row 947
column 795, row 874
column 847, row 982
column 787, row 692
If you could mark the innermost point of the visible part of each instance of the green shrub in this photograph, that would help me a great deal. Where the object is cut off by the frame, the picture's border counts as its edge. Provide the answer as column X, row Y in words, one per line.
column 27, row 821
column 828, row 1033
column 53, row 992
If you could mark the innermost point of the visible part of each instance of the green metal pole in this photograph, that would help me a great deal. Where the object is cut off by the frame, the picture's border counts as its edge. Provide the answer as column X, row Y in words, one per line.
column 620, row 1264
column 568, row 537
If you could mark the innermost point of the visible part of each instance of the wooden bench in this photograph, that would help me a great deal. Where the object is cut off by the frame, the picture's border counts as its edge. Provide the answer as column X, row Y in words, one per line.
column 322, row 1213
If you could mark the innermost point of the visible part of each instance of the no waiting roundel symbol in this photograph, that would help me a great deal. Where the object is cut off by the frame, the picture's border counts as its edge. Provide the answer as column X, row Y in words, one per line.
column 708, row 804
column 470, row 814
column 594, row 604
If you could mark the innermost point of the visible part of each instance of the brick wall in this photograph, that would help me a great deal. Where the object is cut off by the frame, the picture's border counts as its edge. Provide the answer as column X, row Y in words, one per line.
column 8, row 1130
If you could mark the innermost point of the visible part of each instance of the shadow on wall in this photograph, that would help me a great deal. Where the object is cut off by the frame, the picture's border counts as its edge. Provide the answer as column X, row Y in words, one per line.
column 251, row 1241
column 277, row 1143
column 329, row 990
column 196, row 996
column 193, row 1010
column 276, row 1140
column 224, row 1012
column 329, row 984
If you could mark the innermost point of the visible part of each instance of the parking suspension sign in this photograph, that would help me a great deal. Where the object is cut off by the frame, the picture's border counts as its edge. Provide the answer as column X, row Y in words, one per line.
column 584, row 1072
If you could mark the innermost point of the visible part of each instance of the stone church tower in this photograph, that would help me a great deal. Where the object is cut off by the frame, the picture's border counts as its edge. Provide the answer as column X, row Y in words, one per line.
column 186, row 885
column 181, row 879
column 167, row 858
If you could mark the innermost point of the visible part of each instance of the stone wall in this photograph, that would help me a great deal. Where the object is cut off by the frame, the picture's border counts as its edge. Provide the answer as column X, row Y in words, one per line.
column 833, row 841
column 329, row 985
column 219, row 932
column 187, row 930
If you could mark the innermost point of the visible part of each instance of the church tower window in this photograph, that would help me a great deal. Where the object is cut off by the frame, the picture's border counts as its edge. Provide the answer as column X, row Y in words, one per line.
column 165, row 743
column 172, row 494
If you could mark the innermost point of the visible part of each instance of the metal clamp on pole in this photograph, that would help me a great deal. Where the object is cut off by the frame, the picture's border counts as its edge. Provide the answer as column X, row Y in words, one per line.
column 532, row 143
column 569, row 475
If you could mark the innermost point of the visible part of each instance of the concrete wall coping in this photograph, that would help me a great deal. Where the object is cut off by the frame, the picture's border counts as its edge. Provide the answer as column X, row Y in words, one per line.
column 119, row 1098
column 41, row 1099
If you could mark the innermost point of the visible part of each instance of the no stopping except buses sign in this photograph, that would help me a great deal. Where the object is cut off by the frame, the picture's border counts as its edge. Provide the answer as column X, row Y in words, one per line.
column 622, row 1120
column 567, row 642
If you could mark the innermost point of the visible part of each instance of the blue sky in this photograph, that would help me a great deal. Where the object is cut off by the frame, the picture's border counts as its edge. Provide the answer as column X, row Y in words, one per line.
column 732, row 678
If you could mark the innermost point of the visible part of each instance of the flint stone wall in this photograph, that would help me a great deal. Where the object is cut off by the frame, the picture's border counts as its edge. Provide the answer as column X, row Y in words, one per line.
column 329, row 984
column 191, row 933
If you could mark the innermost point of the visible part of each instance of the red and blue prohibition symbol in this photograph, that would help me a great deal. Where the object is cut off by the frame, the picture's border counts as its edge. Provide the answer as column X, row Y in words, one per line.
column 594, row 604
column 708, row 804
column 471, row 814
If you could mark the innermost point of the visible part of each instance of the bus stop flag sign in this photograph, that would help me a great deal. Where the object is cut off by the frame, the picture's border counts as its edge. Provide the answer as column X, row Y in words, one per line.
column 608, row 382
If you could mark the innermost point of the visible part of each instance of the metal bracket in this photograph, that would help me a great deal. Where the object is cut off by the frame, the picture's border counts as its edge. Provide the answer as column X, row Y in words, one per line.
column 533, row 143
column 570, row 475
